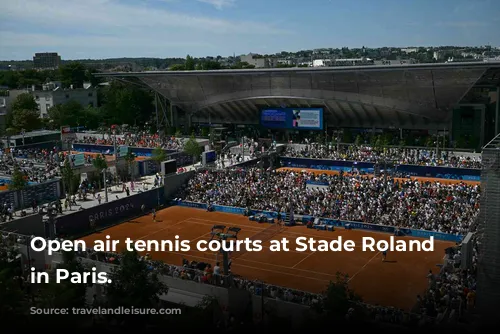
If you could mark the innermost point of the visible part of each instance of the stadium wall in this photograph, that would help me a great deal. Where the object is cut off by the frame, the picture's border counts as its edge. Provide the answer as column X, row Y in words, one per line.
column 138, row 151
column 29, row 225
column 368, row 167
column 337, row 223
column 110, row 213
column 174, row 182
column 43, row 193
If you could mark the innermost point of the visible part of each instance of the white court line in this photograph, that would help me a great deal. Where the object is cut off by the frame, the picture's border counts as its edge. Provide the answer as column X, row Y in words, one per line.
column 338, row 229
column 303, row 260
column 260, row 230
column 201, row 236
column 251, row 261
column 363, row 267
column 163, row 229
column 246, row 252
column 267, row 264
column 226, row 223
column 262, row 269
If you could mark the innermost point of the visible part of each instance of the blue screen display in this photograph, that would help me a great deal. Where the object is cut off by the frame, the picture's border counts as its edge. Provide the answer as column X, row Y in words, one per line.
column 210, row 156
column 289, row 118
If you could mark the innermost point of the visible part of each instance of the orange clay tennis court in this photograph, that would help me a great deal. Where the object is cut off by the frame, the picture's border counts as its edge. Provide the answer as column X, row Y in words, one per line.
column 395, row 282
column 415, row 178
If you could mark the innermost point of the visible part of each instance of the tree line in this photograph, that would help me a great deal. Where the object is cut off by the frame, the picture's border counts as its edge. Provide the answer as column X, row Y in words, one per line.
column 118, row 103
column 193, row 64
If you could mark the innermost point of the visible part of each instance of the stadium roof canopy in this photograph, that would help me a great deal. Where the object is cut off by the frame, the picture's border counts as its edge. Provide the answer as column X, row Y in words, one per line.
column 409, row 96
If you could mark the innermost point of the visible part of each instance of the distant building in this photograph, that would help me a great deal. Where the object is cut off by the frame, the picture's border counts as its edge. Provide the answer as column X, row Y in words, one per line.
column 342, row 62
column 438, row 55
column 52, row 94
column 409, row 50
column 4, row 97
column 46, row 60
column 258, row 61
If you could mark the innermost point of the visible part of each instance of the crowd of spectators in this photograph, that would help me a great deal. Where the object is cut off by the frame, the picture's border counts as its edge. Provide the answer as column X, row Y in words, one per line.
column 452, row 292
column 398, row 156
column 37, row 165
column 140, row 139
column 432, row 206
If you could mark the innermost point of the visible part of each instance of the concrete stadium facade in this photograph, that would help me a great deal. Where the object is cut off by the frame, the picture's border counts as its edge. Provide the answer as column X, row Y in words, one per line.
column 421, row 96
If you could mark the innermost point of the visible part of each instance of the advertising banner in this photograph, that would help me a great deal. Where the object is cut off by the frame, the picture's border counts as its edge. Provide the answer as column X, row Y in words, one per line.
column 108, row 149
column 109, row 213
column 123, row 151
column 77, row 160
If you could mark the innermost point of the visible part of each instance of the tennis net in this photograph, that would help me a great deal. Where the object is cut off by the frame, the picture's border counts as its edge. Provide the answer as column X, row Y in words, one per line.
column 264, row 235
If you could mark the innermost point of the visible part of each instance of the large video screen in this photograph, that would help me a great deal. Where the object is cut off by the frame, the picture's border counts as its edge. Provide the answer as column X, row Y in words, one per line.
column 169, row 167
column 210, row 156
column 292, row 118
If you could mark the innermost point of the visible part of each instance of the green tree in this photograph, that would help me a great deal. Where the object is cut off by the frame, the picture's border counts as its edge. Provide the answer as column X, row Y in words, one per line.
column 18, row 180
column 65, row 294
column 92, row 117
column 210, row 65
column 190, row 63
column 379, row 143
column 192, row 148
column 24, row 101
column 204, row 132
column 130, row 161
column 358, row 141
column 68, row 176
column 134, row 284
column 73, row 74
column 429, row 142
column 100, row 164
column 338, row 298
column 26, row 119
column 90, row 77
column 158, row 155
column 177, row 67
column 70, row 113
column 12, row 296
column 242, row 65
column 347, row 136
column 10, row 79
column 126, row 104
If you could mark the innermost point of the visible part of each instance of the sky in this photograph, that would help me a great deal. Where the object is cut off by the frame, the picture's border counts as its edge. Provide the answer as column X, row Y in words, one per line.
column 97, row 29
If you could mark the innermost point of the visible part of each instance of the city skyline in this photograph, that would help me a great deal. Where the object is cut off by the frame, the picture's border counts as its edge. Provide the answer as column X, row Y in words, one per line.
column 100, row 29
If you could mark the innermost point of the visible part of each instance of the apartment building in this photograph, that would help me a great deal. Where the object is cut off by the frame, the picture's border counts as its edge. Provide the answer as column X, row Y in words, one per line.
column 46, row 60
column 259, row 61
column 52, row 94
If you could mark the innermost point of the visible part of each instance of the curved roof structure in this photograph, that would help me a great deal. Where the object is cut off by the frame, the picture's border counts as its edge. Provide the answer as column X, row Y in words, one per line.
column 408, row 96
